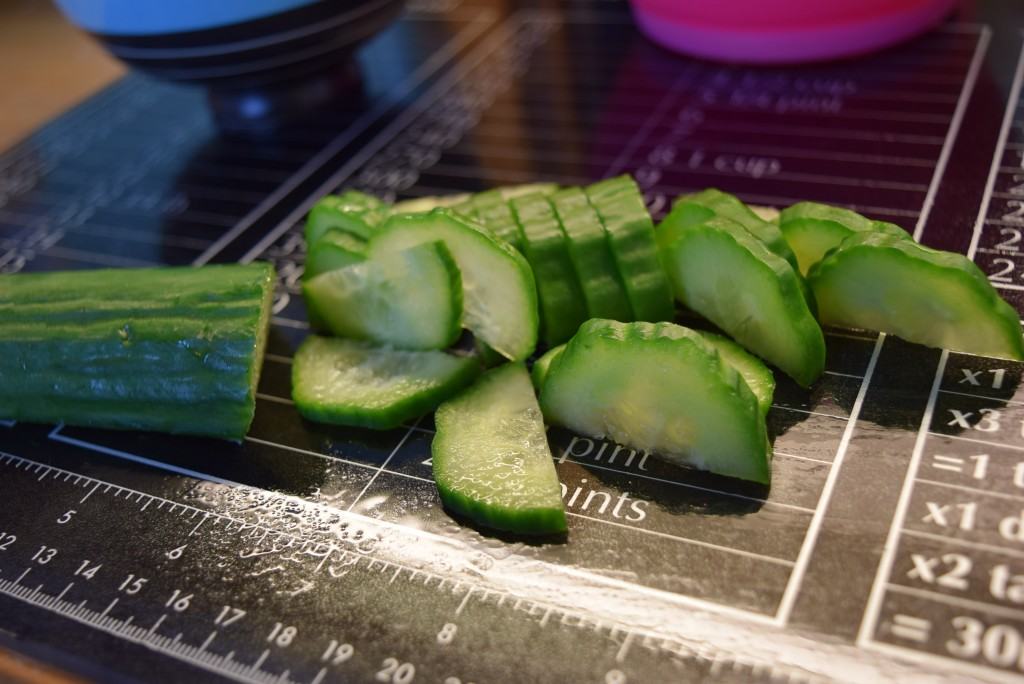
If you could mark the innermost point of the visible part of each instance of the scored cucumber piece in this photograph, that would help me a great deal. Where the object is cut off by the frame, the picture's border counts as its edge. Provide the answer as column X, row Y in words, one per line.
column 698, row 207
column 346, row 382
column 884, row 282
column 411, row 299
column 591, row 255
column 725, row 274
column 812, row 229
column 659, row 387
column 335, row 249
column 352, row 211
column 562, row 306
column 493, row 210
column 167, row 349
column 757, row 376
column 627, row 223
column 541, row 366
column 499, row 294
column 491, row 458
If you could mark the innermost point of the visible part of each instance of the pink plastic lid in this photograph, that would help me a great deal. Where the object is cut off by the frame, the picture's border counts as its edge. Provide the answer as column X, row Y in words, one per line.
column 781, row 31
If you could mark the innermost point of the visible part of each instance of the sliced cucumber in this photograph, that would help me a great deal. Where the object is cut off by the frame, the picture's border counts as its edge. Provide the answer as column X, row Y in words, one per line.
column 491, row 457
column 493, row 210
column 346, row 382
column 411, row 299
column 620, row 205
column 541, row 366
column 335, row 249
column 757, row 376
column 499, row 294
column 940, row 299
column 769, row 214
column 562, row 307
column 662, row 388
column 812, row 229
column 690, row 210
column 421, row 204
column 352, row 211
column 591, row 255
column 722, row 272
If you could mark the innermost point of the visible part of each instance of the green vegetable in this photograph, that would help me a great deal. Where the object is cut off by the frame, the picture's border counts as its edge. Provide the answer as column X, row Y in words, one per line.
column 421, row 204
column 346, row 382
column 722, row 272
column 499, row 295
column 659, row 387
column 541, row 366
column 167, row 349
column 353, row 212
column 812, row 229
column 562, row 307
column 491, row 457
column 494, row 212
column 884, row 282
column 620, row 205
column 411, row 299
column 335, row 249
column 591, row 255
column 757, row 376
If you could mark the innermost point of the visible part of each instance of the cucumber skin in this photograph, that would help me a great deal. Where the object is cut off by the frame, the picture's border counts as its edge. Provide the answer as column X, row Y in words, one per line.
column 171, row 349
column 353, row 212
column 541, row 366
column 529, row 521
column 956, row 265
column 748, row 366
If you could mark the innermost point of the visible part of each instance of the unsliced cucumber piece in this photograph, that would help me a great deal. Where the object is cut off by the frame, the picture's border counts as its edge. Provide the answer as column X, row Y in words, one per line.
column 541, row 366
column 693, row 209
column 491, row 458
column 591, row 255
column 411, row 299
column 659, row 387
column 812, row 229
column 627, row 223
column 884, row 282
column 499, row 294
column 493, row 210
column 757, row 376
column 562, row 306
column 352, row 211
column 346, row 382
column 335, row 249
column 167, row 349
column 725, row 274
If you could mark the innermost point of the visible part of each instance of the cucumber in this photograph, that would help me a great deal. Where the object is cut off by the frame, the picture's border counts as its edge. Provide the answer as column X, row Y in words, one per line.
column 353, row 212
column 539, row 373
column 627, row 223
column 757, row 376
column 411, row 299
column 499, row 294
column 422, row 204
column 166, row 349
column 885, row 282
column 662, row 388
column 591, row 255
column 335, row 249
column 769, row 214
column 562, row 307
column 725, row 274
column 493, row 210
column 812, row 229
column 491, row 458
column 347, row 382
column 698, row 207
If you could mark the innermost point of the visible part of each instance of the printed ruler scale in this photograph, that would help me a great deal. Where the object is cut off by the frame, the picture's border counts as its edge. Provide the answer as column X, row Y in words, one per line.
column 891, row 543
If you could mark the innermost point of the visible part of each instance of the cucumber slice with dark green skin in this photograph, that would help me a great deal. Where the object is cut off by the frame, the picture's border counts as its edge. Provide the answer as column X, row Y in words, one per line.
column 493, row 210
column 562, row 306
column 539, row 372
column 591, row 255
column 499, row 294
column 352, row 211
column 336, row 249
column 884, row 282
column 757, row 376
column 627, row 223
column 491, row 458
column 696, row 208
column 725, row 274
column 411, row 299
column 812, row 229
column 659, row 387
column 166, row 349
column 346, row 382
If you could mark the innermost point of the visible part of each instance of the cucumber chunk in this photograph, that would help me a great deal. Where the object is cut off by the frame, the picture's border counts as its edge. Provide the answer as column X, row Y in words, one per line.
column 335, row 249
column 627, row 223
column 812, row 229
column 494, row 212
column 884, row 282
column 725, row 274
column 491, row 458
column 346, row 382
column 541, row 366
column 757, row 376
column 499, row 294
column 659, row 387
column 693, row 209
column 562, row 307
column 411, row 299
column 352, row 211
column 167, row 349
column 591, row 255
column 422, row 204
